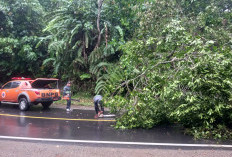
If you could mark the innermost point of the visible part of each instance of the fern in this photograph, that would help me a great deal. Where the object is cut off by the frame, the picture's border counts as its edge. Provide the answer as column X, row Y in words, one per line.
column 48, row 60
column 102, row 66
column 110, row 80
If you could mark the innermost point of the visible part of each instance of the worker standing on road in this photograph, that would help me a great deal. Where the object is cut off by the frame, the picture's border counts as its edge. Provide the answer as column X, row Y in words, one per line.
column 98, row 100
column 67, row 95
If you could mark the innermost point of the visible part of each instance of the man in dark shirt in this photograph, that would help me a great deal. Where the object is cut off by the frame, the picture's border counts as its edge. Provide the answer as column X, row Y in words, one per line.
column 67, row 93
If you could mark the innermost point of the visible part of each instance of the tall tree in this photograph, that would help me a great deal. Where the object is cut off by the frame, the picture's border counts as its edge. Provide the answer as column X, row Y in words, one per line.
column 74, row 39
column 21, row 24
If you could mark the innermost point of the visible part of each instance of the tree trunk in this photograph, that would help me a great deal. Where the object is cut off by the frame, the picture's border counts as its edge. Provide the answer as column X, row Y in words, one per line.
column 100, row 2
column 106, row 35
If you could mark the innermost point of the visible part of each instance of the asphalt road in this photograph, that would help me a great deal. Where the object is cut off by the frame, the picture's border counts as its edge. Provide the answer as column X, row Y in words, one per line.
column 44, row 149
column 78, row 130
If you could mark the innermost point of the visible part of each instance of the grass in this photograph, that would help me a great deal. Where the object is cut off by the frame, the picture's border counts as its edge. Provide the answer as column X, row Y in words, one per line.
column 85, row 100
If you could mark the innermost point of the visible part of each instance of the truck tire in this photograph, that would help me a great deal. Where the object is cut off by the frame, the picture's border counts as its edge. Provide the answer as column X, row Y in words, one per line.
column 46, row 105
column 23, row 104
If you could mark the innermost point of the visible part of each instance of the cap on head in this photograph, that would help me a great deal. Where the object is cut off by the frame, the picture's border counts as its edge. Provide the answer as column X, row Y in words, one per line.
column 69, row 82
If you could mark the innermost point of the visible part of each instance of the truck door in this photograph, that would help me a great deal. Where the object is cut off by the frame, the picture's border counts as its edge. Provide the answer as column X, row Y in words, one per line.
column 14, row 91
column 5, row 96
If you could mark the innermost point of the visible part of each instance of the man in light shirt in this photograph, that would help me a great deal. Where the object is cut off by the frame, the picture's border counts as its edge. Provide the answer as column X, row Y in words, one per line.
column 97, row 100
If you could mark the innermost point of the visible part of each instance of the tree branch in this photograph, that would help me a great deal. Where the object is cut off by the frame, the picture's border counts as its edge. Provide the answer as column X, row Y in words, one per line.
column 165, row 62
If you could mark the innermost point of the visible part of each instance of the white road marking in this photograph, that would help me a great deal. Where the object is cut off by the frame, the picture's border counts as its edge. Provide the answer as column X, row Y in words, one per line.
column 116, row 142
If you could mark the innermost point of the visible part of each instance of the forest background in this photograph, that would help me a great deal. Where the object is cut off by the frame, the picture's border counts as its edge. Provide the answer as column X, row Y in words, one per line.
column 155, row 61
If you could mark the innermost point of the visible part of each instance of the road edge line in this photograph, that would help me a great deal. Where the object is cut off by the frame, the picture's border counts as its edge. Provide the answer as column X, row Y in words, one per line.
column 116, row 142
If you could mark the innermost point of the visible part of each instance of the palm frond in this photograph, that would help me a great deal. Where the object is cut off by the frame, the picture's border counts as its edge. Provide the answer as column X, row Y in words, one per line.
column 48, row 60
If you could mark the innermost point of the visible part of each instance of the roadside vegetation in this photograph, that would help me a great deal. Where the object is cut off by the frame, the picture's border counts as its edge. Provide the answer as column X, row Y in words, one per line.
column 154, row 61
column 80, row 99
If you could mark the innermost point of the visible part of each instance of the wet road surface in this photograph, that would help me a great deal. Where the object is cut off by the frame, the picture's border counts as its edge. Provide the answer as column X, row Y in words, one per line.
column 56, row 123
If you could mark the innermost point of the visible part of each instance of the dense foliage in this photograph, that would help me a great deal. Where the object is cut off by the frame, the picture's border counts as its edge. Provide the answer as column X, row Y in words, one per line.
column 156, row 61
column 20, row 27
column 73, row 48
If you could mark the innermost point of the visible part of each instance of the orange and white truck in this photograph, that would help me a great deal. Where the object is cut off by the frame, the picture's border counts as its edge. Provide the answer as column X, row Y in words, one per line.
column 27, row 92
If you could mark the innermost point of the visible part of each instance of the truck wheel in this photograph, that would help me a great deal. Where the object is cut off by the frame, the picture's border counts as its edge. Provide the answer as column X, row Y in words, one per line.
column 23, row 104
column 46, row 105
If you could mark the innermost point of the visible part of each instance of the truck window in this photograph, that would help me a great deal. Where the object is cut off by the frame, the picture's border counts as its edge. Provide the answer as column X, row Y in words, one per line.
column 15, row 84
column 7, row 86
column 26, row 85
